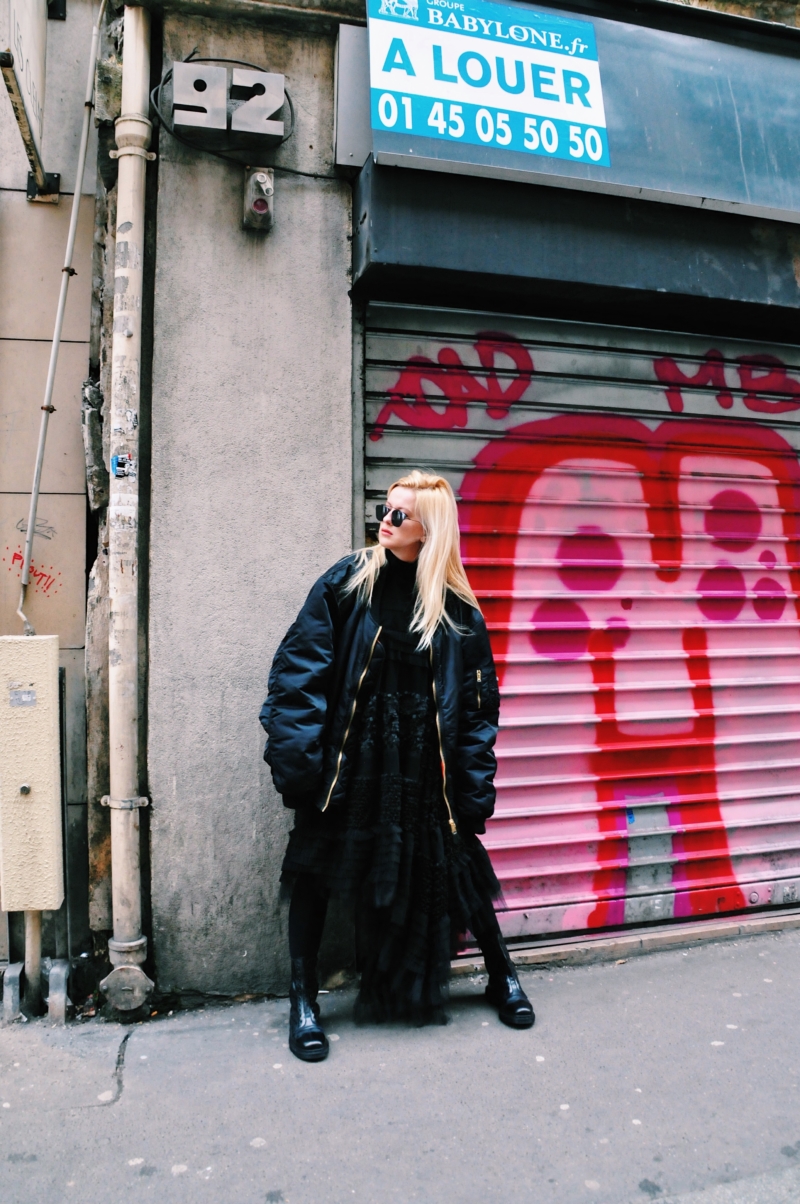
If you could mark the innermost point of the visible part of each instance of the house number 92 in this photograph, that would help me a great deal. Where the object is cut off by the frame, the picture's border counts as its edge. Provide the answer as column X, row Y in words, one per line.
column 200, row 98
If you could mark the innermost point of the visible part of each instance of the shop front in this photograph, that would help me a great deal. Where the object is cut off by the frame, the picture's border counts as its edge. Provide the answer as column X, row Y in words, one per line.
column 554, row 255
column 629, row 505
column 628, row 494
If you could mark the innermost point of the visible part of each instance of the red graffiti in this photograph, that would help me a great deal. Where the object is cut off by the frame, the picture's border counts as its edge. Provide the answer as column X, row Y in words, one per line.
column 459, row 386
column 710, row 372
column 682, row 769
column 630, row 767
column 494, row 493
column 768, row 374
column 759, row 375
column 41, row 579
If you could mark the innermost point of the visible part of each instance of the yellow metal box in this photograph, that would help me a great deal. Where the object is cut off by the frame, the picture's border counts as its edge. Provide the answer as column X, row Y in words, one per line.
column 31, row 867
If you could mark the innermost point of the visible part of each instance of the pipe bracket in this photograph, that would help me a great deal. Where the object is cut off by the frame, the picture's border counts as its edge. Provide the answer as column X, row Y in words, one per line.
column 132, row 150
column 124, row 804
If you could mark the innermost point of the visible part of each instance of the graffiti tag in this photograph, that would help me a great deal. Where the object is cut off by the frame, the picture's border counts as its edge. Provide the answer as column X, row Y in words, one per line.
column 41, row 579
column 458, row 385
column 766, row 386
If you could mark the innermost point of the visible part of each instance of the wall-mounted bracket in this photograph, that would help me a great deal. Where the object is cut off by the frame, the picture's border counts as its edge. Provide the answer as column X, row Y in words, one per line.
column 49, row 194
column 43, row 186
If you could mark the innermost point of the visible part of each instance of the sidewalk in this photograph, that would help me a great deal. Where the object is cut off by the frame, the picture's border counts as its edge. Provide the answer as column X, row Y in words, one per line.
column 668, row 1075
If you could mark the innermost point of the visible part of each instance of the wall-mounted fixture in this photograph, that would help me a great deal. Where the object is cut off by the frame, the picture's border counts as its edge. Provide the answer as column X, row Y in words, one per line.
column 203, row 100
column 235, row 111
column 259, row 186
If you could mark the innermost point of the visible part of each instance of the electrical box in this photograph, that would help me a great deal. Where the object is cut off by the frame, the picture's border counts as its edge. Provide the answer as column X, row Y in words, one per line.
column 31, row 861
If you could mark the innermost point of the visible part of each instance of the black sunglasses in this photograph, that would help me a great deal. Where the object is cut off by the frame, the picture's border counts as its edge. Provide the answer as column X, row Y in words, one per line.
column 398, row 516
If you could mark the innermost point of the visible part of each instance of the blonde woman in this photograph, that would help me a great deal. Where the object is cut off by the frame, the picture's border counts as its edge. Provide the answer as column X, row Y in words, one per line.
column 381, row 720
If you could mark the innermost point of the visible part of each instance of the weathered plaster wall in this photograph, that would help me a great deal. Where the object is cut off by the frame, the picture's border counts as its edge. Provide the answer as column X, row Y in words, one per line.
column 251, row 500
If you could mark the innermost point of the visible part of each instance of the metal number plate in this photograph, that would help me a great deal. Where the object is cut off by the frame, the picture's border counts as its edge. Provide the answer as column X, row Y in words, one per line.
column 200, row 95
column 266, row 97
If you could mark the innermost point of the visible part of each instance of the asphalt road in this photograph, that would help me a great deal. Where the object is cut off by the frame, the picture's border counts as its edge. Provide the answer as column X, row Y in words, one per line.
column 670, row 1077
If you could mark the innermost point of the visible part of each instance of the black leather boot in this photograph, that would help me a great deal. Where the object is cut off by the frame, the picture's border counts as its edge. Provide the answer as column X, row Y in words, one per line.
column 307, row 1041
column 504, row 990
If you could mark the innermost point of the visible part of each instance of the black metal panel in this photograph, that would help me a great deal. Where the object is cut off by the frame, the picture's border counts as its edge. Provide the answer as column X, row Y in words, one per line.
column 440, row 239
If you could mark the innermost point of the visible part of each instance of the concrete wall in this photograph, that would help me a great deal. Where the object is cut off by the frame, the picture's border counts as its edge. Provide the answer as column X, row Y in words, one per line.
column 251, row 500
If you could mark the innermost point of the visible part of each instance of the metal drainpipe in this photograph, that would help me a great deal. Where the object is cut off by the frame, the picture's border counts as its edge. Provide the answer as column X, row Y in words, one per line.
column 127, row 986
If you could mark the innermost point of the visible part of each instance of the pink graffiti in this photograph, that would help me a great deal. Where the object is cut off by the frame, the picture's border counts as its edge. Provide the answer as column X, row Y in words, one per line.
column 668, row 573
column 766, row 386
column 667, row 587
column 458, row 385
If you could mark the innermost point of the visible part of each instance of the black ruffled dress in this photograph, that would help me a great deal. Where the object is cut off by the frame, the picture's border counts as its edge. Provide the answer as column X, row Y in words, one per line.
column 417, row 888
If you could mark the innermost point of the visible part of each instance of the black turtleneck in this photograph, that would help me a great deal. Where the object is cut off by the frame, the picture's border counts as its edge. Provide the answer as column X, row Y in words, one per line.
column 398, row 594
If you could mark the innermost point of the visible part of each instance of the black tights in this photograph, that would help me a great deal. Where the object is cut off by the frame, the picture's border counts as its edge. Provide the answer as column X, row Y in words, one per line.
column 307, row 912
column 309, row 906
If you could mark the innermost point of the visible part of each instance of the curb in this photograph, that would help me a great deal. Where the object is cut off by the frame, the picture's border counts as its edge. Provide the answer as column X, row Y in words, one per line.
column 582, row 951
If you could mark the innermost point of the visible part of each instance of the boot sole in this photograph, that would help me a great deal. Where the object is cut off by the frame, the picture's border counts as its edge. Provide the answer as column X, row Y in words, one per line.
column 310, row 1055
column 522, row 1021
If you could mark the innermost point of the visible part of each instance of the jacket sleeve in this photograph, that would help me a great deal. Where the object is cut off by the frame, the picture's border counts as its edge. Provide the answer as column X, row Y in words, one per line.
column 295, row 712
column 477, row 730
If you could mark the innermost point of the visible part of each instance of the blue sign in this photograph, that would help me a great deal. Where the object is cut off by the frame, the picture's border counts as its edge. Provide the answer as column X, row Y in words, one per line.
column 702, row 115
column 470, row 73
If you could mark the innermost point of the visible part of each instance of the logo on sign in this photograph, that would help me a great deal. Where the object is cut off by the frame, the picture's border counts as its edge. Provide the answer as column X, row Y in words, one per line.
column 406, row 10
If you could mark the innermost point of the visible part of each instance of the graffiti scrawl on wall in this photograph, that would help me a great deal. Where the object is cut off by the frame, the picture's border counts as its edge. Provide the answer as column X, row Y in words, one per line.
column 640, row 576
column 44, row 579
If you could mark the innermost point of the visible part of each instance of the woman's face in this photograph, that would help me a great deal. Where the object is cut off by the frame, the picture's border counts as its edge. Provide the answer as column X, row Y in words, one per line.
column 406, row 540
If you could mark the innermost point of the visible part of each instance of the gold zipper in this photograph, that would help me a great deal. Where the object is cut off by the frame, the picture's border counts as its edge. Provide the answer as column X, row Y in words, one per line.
column 350, row 720
column 479, row 688
column 453, row 828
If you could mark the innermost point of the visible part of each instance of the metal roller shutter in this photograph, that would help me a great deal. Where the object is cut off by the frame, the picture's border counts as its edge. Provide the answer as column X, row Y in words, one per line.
column 629, row 511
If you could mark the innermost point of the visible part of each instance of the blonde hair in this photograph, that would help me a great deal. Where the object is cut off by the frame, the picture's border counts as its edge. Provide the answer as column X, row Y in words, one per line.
column 439, row 566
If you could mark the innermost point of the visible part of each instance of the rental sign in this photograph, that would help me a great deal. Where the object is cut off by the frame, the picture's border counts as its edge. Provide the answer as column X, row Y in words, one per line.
column 696, row 109
column 467, row 73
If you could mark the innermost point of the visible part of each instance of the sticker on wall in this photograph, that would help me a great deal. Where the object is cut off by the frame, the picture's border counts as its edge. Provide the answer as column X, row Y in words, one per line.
column 123, row 465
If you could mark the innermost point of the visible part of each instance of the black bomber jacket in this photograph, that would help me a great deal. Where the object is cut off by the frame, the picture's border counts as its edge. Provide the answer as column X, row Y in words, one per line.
column 314, row 683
